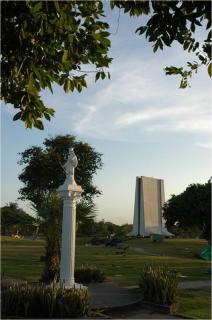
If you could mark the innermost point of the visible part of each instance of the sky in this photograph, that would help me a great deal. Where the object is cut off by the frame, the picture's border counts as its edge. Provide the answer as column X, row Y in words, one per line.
column 141, row 122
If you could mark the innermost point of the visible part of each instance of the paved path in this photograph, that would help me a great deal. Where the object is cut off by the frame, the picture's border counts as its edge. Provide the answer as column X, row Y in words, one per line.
column 109, row 295
column 185, row 284
column 125, row 302
column 121, row 303
column 194, row 284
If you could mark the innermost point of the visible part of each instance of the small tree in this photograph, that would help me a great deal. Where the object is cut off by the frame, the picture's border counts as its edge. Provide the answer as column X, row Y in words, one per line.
column 191, row 208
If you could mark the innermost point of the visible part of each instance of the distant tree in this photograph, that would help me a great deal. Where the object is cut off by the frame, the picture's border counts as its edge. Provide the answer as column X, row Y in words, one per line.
column 86, row 214
column 126, row 228
column 191, row 208
column 14, row 219
column 42, row 174
column 46, row 42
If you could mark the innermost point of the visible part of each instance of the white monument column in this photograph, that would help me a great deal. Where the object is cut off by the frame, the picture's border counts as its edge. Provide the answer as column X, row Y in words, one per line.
column 70, row 192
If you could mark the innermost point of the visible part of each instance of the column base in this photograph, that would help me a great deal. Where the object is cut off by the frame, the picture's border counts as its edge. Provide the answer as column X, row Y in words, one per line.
column 73, row 285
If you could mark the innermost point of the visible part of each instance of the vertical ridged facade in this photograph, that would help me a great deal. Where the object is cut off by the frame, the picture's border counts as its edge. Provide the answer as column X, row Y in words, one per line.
column 149, row 200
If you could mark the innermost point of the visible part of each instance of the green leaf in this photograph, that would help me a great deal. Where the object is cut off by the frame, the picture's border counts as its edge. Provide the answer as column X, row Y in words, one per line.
column 50, row 111
column 65, row 56
column 210, row 69
column 97, row 76
column 37, row 7
column 31, row 87
column 67, row 85
column 57, row 5
column 102, row 75
column 39, row 125
column 17, row 116
column 36, row 73
column 140, row 30
column 47, row 116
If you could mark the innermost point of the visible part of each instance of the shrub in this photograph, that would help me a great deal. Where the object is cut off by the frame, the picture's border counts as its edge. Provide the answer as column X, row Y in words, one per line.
column 97, row 241
column 40, row 301
column 159, row 284
column 88, row 275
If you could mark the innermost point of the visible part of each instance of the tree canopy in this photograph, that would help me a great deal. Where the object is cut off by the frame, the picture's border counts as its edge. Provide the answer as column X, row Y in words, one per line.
column 191, row 208
column 14, row 219
column 43, row 169
column 46, row 42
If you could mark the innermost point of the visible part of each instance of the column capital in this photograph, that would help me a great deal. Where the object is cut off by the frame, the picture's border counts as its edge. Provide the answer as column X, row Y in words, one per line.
column 69, row 195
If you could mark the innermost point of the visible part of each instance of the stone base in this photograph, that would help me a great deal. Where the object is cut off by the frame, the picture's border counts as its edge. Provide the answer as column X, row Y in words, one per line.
column 74, row 285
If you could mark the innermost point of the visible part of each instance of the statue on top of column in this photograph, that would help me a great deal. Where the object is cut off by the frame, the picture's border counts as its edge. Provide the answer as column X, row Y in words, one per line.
column 70, row 166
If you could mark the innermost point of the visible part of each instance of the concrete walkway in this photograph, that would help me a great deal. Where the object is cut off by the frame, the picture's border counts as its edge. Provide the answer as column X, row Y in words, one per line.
column 125, row 302
column 194, row 284
column 109, row 295
column 121, row 303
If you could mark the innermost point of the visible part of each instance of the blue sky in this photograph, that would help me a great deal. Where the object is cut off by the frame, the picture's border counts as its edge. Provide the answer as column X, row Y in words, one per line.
column 141, row 122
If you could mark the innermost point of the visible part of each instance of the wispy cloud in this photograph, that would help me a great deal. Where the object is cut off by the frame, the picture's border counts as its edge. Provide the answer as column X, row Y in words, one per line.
column 130, row 118
column 205, row 145
column 139, row 98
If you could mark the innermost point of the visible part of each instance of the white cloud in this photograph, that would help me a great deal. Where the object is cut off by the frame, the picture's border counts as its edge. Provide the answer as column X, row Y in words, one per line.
column 150, row 114
column 139, row 98
column 205, row 145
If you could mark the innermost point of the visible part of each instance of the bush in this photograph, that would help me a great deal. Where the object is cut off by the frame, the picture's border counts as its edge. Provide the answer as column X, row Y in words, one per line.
column 159, row 284
column 40, row 301
column 97, row 241
column 88, row 275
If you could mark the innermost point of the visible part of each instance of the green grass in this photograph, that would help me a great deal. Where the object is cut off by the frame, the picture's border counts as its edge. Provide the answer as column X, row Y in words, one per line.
column 194, row 303
column 21, row 259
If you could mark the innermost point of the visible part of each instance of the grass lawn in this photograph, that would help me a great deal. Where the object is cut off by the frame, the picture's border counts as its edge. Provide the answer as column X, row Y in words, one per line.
column 195, row 303
column 21, row 260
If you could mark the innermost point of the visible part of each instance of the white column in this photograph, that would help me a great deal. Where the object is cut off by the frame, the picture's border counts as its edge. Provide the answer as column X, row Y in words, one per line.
column 68, row 239
column 69, row 192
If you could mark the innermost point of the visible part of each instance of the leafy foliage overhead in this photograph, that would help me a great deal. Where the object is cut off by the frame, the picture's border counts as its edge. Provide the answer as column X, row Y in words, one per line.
column 46, row 42
column 175, row 21
column 191, row 208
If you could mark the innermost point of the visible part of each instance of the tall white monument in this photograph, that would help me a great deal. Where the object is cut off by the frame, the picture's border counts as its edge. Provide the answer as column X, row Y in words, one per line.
column 149, row 200
column 70, row 192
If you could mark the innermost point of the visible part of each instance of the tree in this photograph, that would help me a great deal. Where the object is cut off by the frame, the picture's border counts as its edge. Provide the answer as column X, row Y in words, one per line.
column 45, row 42
column 43, row 169
column 42, row 174
column 190, row 209
column 14, row 219
column 77, row 37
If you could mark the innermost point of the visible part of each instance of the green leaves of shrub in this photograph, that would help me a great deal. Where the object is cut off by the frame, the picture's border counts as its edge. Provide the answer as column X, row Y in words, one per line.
column 88, row 275
column 40, row 301
column 159, row 284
